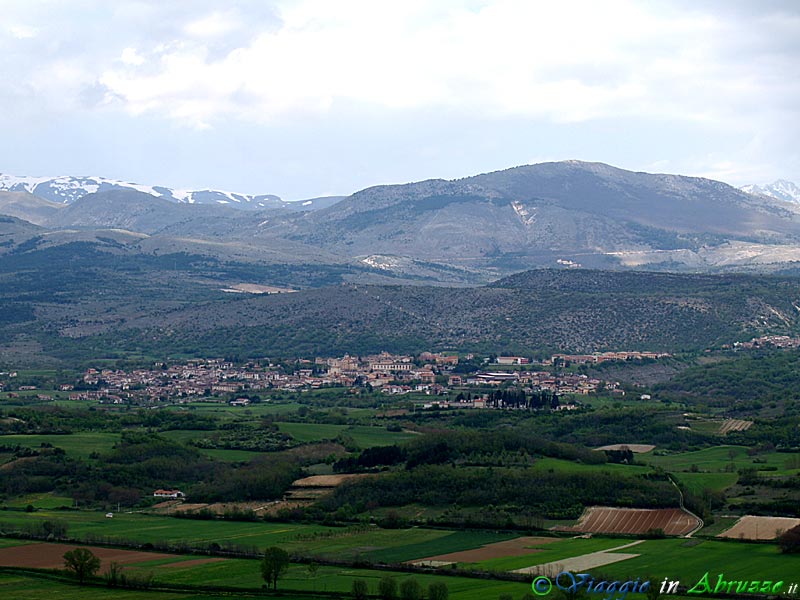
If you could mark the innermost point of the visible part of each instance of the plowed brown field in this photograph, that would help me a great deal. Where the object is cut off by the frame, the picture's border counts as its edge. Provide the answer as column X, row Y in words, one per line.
column 751, row 527
column 517, row 547
column 602, row 519
column 51, row 556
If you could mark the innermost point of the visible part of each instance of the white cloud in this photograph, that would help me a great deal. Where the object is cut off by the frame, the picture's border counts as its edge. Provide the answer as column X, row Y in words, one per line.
column 213, row 25
column 694, row 84
column 131, row 57
column 23, row 32
column 566, row 61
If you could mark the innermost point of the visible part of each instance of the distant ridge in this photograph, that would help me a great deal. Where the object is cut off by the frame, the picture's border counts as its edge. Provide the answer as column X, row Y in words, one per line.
column 780, row 189
column 568, row 214
column 66, row 189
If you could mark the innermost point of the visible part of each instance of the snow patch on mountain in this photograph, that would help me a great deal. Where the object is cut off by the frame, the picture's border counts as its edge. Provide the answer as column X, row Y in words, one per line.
column 780, row 189
column 66, row 189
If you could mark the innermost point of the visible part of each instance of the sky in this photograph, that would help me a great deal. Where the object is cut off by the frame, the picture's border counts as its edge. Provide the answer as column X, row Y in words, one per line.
column 309, row 98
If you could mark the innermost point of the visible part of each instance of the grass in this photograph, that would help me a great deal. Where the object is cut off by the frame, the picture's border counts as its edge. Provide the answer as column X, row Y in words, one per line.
column 363, row 435
column 185, row 436
column 24, row 587
column 20, row 586
column 721, row 459
column 226, row 455
column 568, row 466
column 245, row 573
column 47, row 501
column 251, row 412
column 79, row 445
column 429, row 545
column 375, row 544
column 688, row 560
column 552, row 552
column 719, row 525
column 697, row 482
column 149, row 528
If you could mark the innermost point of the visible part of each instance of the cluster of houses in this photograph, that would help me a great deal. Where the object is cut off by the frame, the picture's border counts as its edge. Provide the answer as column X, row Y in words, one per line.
column 600, row 357
column 775, row 341
column 388, row 372
column 428, row 373
column 569, row 383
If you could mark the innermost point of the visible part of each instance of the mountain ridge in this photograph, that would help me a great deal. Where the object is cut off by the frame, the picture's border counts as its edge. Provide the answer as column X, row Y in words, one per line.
column 560, row 214
column 66, row 189
column 780, row 189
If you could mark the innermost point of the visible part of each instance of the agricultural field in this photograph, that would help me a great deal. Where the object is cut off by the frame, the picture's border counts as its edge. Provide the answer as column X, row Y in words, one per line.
column 684, row 559
column 521, row 546
column 227, row 412
column 373, row 543
column 752, row 527
column 635, row 521
column 568, row 466
column 689, row 559
column 698, row 482
column 584, row 562
column 364, row 436
column 50, row 556
column 245, row 574
column 80, row 445
column 23, row 586
column 724, row 459
column 546, row 551
column 46, row 501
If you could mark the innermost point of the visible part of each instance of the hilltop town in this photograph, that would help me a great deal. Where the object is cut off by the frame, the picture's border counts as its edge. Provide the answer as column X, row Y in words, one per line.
column 434, row 374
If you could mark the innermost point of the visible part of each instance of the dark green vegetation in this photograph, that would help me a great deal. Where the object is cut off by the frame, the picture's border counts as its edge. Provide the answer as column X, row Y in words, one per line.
column 173, row 305
column 274, row 565
column 82, row 563
column 744, row 383
column 789, row 542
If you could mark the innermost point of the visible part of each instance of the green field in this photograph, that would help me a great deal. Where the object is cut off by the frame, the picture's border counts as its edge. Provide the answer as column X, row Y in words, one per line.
column 721, row 459
column 39, row 501
column 551, row 552
column 697, row 482
column 363, row 435
column 245, row 573
column 228, row 412
column 688, row 560
column 569, row 466
column 25, row 587
column 375, row 544
column 79, row 445
column 719, row 525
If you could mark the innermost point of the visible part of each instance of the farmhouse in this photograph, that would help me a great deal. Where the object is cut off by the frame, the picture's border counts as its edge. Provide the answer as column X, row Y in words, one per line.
column 168, row 494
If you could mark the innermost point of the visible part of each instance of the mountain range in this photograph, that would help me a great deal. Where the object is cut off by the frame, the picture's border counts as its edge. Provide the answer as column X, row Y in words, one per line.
column 67, row 189
column 467, row 231
column 533, row 258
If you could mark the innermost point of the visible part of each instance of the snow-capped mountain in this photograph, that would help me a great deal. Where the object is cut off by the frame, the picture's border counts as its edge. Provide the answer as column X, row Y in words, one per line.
column 66, row 189
column 780, row 189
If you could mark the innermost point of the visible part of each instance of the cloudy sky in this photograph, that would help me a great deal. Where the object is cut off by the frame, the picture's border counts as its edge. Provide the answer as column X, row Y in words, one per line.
column 303, row 98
